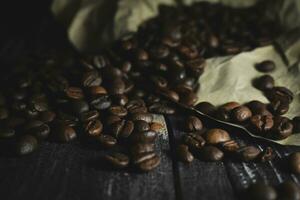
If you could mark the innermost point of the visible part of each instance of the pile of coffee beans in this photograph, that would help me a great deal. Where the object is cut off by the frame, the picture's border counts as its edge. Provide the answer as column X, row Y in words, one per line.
column 214, row 144
column 287, row 190
column 265, row 120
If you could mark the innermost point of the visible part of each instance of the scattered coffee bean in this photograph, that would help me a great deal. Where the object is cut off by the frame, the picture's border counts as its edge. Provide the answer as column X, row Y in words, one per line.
column 106, row 141
column 261, row 123
column 149, row 164
column 241, row 114
column 193, row 124
column 117, row 160
column 264, row 82
column 93, row 128
column 193, row 140
column 282, row 128
column 265, row 66
column 215, row 136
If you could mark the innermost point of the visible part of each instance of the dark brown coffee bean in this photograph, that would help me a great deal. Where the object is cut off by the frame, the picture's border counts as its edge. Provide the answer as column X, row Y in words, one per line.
column 135, row 103
column 120, row 99
column 117, row 160
column 248, row 153
column 241, row 114
column 160, row 52
column 67, row 119
column 215, row 136
column 267, row 155
column 264, row 82
column 258, row 108
column 188, row 52
column 26, row 145
column 280, row 94
column 97, row 90
column 159, row 81
column 74, row 93
column 279, row 107
column 91, row 78
column 296, row 124
column 144, row 137
column 261, row 191
column 147, row 117
column 40, row 132
column 184, row 154
column 193, row 124
column 193, row 140
column 138, row 110
column 142, row 148
column 196, row 66
column 230, row 146
column 265, row 66
column 117, row 127
column 211, row 153
column 222, row 114
column 117, row 86
column 206, row 108
column 230, row 106
column 188, row 98
column 32, row 124
column 294, row 162
column 141, row 54
column 140, row 125
column 89, row 115
column 106, row 141
column 149, row 164
column 261, row 123
column 161, row 108
column 101, row 102
column 282, row 128
column 288, row 190
column 170, row 94
column 63, row 133
column 47, row 116
column 127, row 129
column 139, row 158
column 7, row 133
column 112, row 119
column 93, row 128
column 118, row 111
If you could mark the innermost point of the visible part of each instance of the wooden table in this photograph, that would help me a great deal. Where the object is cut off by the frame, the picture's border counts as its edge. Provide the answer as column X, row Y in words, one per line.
column 73, row 172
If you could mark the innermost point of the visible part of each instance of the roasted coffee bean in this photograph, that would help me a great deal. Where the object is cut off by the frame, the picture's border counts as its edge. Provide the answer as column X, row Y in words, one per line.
column 265, row 66
column 296, row 124
column 47, row 116
column 211, row 153
column 222, row 114
column 248, row 153
column 288, row 190
column 78, row 106
column 26, row 145
column 144, row 137
column 106, row 141
column 188, row 52
column 294, row 162
column 241, row 114
column 161, row 108
column 147, row 117
column 261, row 123
column 151, row 99
column 126, row 66
column 261, row 191
column 93, row 128
column 280, row 94
column 193, row 123
column 41, row 132
column 142, row 148
column 141, row 157
column 117, row 127
column 155, row 126
column 196, row 66
column 264, row 82
column 215, row 136
column 170, row 94
column 112, row 119
column 193, row 140
column 118, row 160
column 63, row 133
column 101, row 102
column 74, row 93
column 120, row 99
column 149, row 164
column 91, row 78
column 160, row 52
column 118, row 111
column 184, row 154
column 38, row 103
column 117, row 86
column 267, row 155
column 258, row 108
column 89, row 115
column 230, row 106
column 134, row 103
column 206, row 108
column 138, row 110
column 159, row 81
column 282, row 128
column 127, row 129
column 140, row 125
column 279, row 107
column 67, row 119
column 230, row 146
column 7, row 133
column 96, row 90
column 141, row 55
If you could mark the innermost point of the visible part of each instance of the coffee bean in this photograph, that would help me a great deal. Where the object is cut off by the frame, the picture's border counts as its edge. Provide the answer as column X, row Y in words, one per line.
column 193, row 124
column 241, row 114
column 248, row 153
column 294, row 162
column 78, row 106
column 261, row 123
column 127, row 129
column 296, row 124
column 117, row 160
column 41, row 132
column 118, row 111
column 261, row 191
column 160, row 52
column 147, row 117
column 97, row 90
column 188, row 52
column 74, row 93
column 288, row 190
column 211, row 153
column 120, row 99
column 193, row 140
column 67, row 119
column 89, row 115
column 215, row 136
column 134, row 103
column 117, row 86
column 93, row 127
column 258, row 108
column 265, row 66
column 112, row 119
column 230, row 106
column 184, row 154
column 47, row 116
column 159, row 81
column 26, row 145
column 117, row 127
column 161, row 108
column 222, row 114
column 282, row 128
column 142, row 157
column 63, row 133
column 156, row 127
column 280, row 94
column 279, row 107
column 196, row 66
column 144, row 137
column 7, row 133
column 106, row 141
column 142, row 148
column 230, row 146
column 172, row 95
column 267, row 155
column 101, row 102
column 264, row 82
column 206, row 108
column 140, row 125
column 91, row 78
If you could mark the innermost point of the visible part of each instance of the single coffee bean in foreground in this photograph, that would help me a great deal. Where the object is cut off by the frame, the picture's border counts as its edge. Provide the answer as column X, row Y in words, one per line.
column 265, row 66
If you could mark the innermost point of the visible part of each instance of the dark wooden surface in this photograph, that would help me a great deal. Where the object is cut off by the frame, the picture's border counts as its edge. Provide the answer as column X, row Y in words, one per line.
column 73, row 171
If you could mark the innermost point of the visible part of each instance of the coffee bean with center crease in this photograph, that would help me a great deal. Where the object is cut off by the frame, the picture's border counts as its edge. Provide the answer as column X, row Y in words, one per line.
column 26, row 144
column 117, row 160
column 91, row 78
column 161, row 108
column 279, row 107
column 296, row 124
column 261, row 123
column 279, row 94
column 141, row 157
column 127, row 129
column 144, row 137
column 63, row 132
column 206, row 108
column 294, row 162
column 265, row 66
column 147, row 117
column 140, row 125
column 264, row 82
column 117, row 86
column 288, row 190
column 67, row 119
column 230, row 106
column 74, row 93
column 89, row 115
column 117, row 127
column 100, row 102
column 193, row 140
column 282, row 128
column 248, row 153
column 40, row 132
column 112, row 119
column 149, row 164
column 258, row 108
column 96, row 90
column 241, row 114
column 184, row 154
column 170, row 94
column 215, row 136
column 193, row 123
column 93, row 127
column 7, row 133
column 106, row 141
column 230, row 146
column 211, row 153
column 142, row 148
column 222, row 114
column 261, row 191
column 118, row 111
